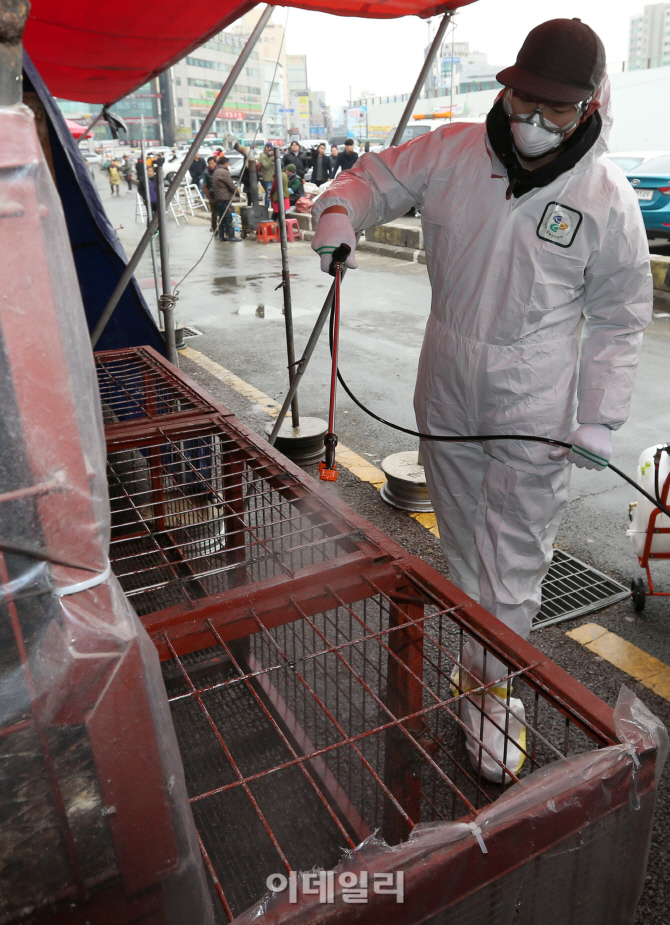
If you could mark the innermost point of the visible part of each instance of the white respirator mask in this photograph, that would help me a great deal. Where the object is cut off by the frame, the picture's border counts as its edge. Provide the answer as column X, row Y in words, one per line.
column 532, row 140
column 535, row 135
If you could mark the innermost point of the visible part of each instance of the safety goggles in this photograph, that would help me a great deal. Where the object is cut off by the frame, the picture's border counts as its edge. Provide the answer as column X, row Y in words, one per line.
column 580, row 109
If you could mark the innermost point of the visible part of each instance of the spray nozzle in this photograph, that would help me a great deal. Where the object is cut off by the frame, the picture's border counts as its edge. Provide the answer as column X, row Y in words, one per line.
column 340, row 254
column 328, row 466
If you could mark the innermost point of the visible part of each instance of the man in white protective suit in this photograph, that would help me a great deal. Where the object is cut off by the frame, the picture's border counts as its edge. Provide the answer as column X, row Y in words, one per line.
column 526, row 229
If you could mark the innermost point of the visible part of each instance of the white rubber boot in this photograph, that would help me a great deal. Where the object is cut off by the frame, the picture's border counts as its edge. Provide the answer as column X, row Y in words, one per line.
column 481, row 729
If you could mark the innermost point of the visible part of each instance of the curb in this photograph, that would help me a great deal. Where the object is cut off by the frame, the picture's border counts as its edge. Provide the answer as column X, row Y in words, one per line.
column 660, row 270
column 392, row 250
column 382, row 250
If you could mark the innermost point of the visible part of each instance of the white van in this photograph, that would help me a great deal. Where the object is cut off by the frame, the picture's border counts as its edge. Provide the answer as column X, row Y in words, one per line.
column 418, row 127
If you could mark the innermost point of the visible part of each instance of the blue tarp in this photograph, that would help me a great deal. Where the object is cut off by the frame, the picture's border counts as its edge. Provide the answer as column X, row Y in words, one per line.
column 98, row 255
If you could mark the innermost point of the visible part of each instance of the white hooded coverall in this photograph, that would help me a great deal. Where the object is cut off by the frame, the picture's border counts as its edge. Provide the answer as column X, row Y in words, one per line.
column 511, row 279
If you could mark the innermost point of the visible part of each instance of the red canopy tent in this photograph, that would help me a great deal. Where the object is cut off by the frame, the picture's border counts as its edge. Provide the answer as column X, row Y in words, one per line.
column 83, row 54
column 77, row 129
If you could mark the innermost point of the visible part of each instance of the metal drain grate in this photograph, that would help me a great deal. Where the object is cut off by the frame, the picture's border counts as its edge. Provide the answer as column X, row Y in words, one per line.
column 191, row 332
column 572, row 588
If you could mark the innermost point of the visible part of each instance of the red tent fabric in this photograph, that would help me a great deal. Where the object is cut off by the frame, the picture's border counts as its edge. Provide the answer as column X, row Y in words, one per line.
column 76, row 129
column 96, row 54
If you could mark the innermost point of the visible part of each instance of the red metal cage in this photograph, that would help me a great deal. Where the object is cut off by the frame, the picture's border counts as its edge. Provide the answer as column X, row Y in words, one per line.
column 314, row 670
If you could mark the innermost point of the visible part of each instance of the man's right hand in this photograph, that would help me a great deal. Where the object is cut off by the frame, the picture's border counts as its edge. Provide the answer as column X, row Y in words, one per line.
column 334, row 228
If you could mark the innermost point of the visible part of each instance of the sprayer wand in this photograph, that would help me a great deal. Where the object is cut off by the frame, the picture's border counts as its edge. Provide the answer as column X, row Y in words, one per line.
column 328, row 466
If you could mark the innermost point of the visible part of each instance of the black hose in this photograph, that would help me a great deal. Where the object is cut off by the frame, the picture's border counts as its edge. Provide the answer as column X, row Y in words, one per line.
column 481, row 438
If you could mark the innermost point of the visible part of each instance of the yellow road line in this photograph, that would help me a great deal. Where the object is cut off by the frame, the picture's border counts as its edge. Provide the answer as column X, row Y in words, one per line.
column 646, row 669
column 358, row 466
column 224, row 375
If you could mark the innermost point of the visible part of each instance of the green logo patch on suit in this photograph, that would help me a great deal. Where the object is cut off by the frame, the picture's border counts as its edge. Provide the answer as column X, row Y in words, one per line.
column 559, row 224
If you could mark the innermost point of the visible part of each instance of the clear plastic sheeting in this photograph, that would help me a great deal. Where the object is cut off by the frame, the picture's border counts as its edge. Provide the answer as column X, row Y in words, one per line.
column 568, row 844
column 95, row 811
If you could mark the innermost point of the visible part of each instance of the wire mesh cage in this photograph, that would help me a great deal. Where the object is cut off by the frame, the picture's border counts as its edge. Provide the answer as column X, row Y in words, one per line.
column 198, row 511
column 137, row 385
column 303, row 738
column 319, row 677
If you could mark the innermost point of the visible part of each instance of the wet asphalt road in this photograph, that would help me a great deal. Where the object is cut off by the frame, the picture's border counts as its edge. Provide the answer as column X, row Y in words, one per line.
column 385, row 306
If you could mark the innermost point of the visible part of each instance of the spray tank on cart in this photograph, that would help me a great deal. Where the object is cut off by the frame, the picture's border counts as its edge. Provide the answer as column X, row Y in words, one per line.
column 650, row 528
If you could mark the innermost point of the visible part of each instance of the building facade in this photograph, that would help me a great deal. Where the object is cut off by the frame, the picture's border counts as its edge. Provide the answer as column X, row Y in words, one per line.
column 298, row 89
column 196, row 81
column 457, row 69
column 141, row 111
column 272, row 54
column 649, row 38
column 320, row 122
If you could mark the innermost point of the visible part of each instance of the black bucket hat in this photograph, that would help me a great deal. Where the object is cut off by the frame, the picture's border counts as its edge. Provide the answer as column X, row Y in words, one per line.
column 562, row 60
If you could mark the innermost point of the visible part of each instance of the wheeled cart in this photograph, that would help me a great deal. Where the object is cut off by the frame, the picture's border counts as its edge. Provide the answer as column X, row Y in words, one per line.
column 650, row 529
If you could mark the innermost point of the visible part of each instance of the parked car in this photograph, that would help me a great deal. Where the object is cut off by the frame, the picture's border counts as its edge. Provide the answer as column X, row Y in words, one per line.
column 173, row 163
column 92, row 158
column 651, row 182
column 160, row 151
column 631, row 160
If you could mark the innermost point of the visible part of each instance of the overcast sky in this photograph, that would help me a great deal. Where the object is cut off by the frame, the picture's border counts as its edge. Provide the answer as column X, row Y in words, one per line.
column 385, row 56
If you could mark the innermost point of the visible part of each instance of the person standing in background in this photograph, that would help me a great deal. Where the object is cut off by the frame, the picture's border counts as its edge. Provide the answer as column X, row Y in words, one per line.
column 223, row 189
column 197, row 171
column 295, row 185
column 267, row 159
column 127, row 171
column 320, row 165
column 207, row 182
column 334, row 154
column 275, row 205
column 347, row 158
column 115, row 178
column 150, row 196
column 293, row 156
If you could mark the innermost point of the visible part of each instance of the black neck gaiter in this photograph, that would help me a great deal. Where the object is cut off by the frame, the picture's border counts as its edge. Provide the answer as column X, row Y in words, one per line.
column 570, row 152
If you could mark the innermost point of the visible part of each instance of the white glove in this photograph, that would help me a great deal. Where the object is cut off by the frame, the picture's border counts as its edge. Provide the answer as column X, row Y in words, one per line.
column 592, row 447
column 334, row 229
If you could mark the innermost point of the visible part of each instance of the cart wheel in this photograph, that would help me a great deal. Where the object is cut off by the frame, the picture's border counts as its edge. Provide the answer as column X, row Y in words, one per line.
column 639, row 594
